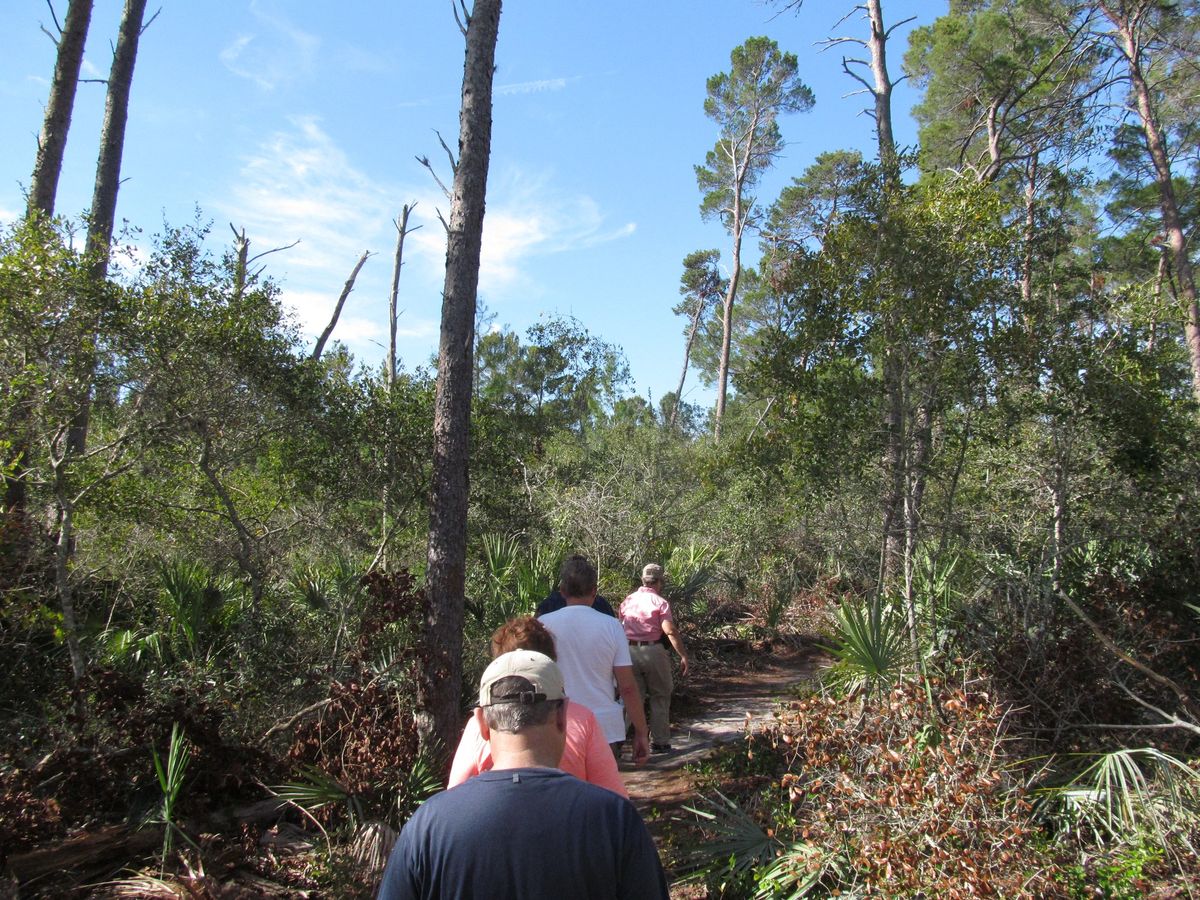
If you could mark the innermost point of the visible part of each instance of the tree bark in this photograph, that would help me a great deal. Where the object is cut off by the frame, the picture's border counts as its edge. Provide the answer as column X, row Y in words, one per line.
column 112, row 136
column 108, row 172
column 440, row 684
column 882, row 91
column 52, row 142
column 1131, row 47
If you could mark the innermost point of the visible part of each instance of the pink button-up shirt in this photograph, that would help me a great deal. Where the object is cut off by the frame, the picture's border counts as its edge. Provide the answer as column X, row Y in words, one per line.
column 643, row 613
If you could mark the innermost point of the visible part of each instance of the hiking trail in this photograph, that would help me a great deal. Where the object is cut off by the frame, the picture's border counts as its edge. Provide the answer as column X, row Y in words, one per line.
column 736, row 689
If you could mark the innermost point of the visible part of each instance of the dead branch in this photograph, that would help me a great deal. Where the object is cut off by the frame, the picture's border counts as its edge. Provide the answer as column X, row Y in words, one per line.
column 449, row 153
column 1169, row 720
column 150, row 21
column 337, row 310
column 1112, row 647
column 288, row 723
column 54, row 16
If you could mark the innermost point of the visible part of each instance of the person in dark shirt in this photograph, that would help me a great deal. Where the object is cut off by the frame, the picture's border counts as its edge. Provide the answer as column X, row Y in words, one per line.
column 525, row 829
column 557, row 601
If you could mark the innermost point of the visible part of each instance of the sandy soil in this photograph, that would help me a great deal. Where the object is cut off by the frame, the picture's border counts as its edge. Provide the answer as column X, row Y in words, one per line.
column 734, row 689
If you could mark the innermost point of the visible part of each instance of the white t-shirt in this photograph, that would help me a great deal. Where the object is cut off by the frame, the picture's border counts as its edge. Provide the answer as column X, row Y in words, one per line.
column 589, row 644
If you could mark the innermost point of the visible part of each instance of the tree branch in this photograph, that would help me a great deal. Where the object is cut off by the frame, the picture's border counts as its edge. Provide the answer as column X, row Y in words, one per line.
column 337, row 310
column 1125, row 657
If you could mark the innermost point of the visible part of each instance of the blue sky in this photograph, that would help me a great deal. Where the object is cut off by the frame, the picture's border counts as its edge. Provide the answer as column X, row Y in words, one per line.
column 300, row 120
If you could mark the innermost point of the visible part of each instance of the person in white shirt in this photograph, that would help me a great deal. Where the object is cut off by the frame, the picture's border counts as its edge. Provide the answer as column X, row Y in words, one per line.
column 593, row 653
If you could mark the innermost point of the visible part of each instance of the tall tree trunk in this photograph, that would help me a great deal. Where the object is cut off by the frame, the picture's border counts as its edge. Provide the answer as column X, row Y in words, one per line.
column 893, row 363
column 701, row 305
column 43, row 191
column 882, row 91
column 100, row 228
column 393, row 315
column 440, row 684
column 1027, row 238
column 735, row 276
column 108, row 171
column 63, row 549
column 112, row 136
column 1131, row 48
column 393, row 299
column 52, row 142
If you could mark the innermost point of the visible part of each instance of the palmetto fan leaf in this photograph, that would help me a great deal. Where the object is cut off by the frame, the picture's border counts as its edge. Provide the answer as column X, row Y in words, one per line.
column 739, row 843
column 870, row 645
column 1125, row 790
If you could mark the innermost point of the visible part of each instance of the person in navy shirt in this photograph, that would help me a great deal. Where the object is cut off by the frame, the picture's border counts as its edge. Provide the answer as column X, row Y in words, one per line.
column 524, row 830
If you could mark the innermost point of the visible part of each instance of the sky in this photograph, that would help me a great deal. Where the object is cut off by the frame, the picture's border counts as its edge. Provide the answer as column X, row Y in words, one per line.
column 302, row 120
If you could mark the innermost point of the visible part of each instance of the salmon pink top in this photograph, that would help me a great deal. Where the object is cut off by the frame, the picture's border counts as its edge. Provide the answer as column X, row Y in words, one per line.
column 586, row 756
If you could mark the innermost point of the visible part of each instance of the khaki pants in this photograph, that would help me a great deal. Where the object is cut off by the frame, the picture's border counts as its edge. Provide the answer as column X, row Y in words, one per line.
column 652, row 671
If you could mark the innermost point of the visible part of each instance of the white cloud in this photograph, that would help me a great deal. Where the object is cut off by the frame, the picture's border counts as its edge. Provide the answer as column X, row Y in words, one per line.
column 281, row 52
column 533, row 87
column 530, row 216
column 313, row 309
column 300, row 185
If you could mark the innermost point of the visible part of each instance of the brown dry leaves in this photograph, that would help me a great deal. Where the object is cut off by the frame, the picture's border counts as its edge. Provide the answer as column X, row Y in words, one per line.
column 910, row 803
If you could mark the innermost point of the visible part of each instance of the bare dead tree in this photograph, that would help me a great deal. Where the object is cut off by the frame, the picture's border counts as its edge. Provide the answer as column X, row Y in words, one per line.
column 337, row 309
column 440, row 682
column 402, row 231
column 242, row 259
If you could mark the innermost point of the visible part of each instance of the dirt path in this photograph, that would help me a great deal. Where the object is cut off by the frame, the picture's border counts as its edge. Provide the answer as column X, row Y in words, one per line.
column 735, row 689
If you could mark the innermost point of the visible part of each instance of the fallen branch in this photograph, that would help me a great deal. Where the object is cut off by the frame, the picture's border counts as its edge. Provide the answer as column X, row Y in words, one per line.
column 1112, row 647
column 320, row 704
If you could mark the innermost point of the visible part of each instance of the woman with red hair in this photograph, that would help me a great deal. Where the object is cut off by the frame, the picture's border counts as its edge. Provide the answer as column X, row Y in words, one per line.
column 587, row 754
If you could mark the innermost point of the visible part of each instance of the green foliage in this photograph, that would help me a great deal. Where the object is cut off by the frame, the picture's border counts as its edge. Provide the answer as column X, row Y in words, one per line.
column 1124, row 793
column 746, row 102
column 798, row 871
column 194, row 603
column 738, row 847
column 1118, row 874
column 171, row 776
column 688, row 571
column 870, row 645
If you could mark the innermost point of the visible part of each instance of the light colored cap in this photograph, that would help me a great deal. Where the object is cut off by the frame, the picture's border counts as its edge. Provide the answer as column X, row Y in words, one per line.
column 545, row 681
column 652, row 572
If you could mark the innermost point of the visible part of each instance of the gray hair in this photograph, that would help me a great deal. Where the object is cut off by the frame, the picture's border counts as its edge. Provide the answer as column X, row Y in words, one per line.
column 513, row 716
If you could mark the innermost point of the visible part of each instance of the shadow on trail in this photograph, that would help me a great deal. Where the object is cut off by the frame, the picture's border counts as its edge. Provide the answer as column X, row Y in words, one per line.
column 736, row 688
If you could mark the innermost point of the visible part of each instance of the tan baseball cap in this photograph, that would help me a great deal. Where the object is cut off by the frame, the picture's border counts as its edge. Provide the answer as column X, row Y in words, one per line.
column 542, row 676
column 652, row 572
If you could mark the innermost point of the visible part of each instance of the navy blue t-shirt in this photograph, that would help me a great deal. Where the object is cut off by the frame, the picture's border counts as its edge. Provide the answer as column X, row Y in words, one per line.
column 557, row 601
column 525, row 834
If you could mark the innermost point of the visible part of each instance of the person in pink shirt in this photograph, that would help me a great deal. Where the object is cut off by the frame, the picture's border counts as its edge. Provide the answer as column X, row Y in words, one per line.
column 646, row 617
column 587, row 755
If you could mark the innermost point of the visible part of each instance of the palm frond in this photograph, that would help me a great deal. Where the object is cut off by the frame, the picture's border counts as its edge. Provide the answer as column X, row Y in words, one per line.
column 739, row 844
column 870, row 646
column 1127, row 790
